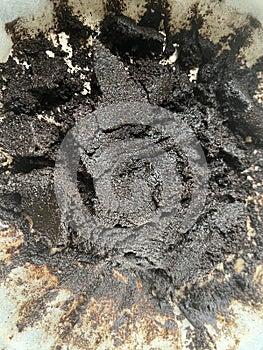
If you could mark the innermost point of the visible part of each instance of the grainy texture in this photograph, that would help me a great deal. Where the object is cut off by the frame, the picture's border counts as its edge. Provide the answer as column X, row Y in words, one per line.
column 43, row 96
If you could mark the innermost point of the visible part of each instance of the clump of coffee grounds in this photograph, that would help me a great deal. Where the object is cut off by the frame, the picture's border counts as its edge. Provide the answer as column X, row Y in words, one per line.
column 42, row 98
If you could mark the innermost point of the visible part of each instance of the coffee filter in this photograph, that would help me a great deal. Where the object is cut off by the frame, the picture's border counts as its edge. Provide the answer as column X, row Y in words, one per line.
column 220, row 18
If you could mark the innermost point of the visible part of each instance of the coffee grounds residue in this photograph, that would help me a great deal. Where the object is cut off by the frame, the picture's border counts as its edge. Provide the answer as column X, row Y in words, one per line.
column 43, row 98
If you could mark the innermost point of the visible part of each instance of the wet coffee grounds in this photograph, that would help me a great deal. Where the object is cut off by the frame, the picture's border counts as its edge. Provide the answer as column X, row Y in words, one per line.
column 44, row 96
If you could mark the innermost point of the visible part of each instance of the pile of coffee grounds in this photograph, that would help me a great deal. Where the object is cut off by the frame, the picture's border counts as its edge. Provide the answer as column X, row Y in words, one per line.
column 43, row 96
